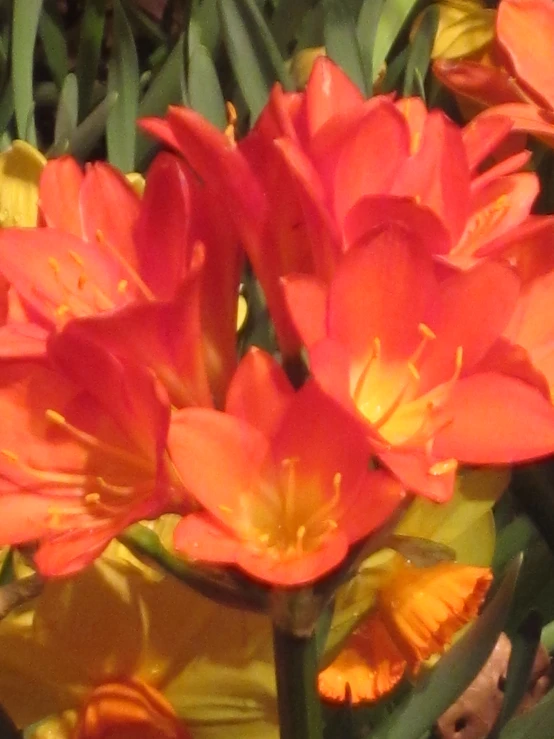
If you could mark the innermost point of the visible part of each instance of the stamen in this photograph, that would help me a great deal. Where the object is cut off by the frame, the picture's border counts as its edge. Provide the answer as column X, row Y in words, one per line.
column 122, row 286
column 54, row 265
column 65, row 479
column 92, row 498
column 94, row 442
column 136, row 279
column 76, row 257
column 424, row 330
column 414, row 371
column 443, row 467
column 225, row 509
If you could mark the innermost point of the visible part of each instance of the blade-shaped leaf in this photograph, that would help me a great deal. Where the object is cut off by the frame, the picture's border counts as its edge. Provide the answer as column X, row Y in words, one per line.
column 88, row 56
column 536, row 724
column 420, row 52
column 54, row 44
column 341, row 41
column 366, row 32
column 88, row 133
column 26, row 14
column 66, row 116
column 203, row 86
column 286, row 21
column 394, row 15
column 253, row 52
column 123, row 78
column 454, row 672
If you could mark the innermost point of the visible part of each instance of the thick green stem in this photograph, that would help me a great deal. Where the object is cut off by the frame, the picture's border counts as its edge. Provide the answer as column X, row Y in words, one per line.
column 296, row 672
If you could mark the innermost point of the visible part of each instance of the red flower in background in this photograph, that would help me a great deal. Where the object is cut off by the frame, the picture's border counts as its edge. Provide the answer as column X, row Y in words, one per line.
column 284, row 494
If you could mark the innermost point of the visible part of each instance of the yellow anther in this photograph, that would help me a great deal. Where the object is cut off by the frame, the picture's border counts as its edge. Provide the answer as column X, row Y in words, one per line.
column 412, row 369
column 231, row 122
column 76, row 257
column 263, row 538
column 332, row 524
column 337, row 479
column 12, row 456
column 301, row 533
column 122, row 286
column 62, row 310
column 376, row 347
column 442, row 468
column 415, row 141
column 92, row 497
column 55, row 417
column 54, row 265
column 425, row 331
column 459, row 357
column 100, row 236
column 225, row 509
column 417, row 199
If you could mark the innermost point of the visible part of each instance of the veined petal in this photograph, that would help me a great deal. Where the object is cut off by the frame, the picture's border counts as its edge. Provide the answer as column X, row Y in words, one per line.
column 260, row 391
column 329, row 90
column 496, row 419
column 307, row 303
column 60, row 187
column 163, row 246
column 516, row 23
column 199, row 436
column 110, row 209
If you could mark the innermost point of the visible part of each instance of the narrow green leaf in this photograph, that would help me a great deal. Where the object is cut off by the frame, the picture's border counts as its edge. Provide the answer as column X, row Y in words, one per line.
column 525, row 643
column 166, row 88
column 394, row 15
column 91, row 33
column 26, row 14
column 7, row 569
column 366, row 32
column 454, row 672
column 536, row 724
column 395, row 71
column 88, row 132
column 286, row 21
column 203, row 86
column 123, row 78
column 341, row 41
column 6, row 106
column 66, row 116
column 54, row 44
column 253, row 53
column 420, row 52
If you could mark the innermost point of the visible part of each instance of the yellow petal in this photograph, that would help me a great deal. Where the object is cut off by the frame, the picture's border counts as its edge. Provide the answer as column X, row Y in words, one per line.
column 465, row 35
column 20, row 169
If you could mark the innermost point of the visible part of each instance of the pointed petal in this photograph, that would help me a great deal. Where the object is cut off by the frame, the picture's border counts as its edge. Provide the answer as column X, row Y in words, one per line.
column 528, row 118
column 164, row 250
column 198, row 437
column 516, row 23
column 60, row 186
column 260, row 392
column 25, row 516
column 481, row 136
column 329, row 91
column 496, row 420
column 378, row 496
column 380, row 291
column 508, row 166
column 306, row 299
column 71, row 551
column 412, row 468
column 110, row 209
column 490, row 86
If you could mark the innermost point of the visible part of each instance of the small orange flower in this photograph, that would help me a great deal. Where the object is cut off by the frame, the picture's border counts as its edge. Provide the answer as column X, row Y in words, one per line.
column 418, row 612
column 128, row 710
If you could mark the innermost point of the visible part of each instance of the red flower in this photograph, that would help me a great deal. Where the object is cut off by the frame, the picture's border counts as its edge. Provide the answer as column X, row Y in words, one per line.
column 401, row 349
column 285, row 499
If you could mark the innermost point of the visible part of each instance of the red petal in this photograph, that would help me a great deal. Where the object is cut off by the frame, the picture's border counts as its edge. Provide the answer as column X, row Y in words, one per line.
column 306, row 299
column 490, row 86
column 19, row 340
column 524, row 30
column 217, row 456
column 496, row 420
column 528, row 118
column 412, row 469
column 379, row 495
column 199, row 537
column 164, row 249
column 73, row 550
column 481, row 136
column 60, row 187
column 328, row 92
column 260, row 392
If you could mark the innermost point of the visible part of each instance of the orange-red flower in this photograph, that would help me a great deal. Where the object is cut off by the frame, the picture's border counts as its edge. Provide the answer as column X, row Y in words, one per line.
column 137, row 270
column 285, row 498
column 516, row 76
column 83, row 453
column 418, row 612
column 401, row 349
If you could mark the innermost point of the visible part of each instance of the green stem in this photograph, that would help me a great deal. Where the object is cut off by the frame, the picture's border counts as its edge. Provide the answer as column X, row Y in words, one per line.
column 296, row 673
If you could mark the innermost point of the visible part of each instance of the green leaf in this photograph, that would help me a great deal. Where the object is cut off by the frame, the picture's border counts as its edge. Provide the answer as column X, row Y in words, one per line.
column 54, row 44
column 454, row 672
column 536, row 724
column 525, row 643
column 286, row 21
column 394, row 15
column 253, row 53
column 420, row 52
column 26, row 14
column 366, row 32
column 123, row 78
column 90, row 48
column 7, row 568
column 88, row 132
column 66, row 116
column 165, row 89
column 341, row 41
column 204, row 91
column 6, row 106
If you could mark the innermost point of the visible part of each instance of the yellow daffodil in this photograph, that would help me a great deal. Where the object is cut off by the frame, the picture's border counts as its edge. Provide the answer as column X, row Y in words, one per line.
column 120, row 645
column 20, row 168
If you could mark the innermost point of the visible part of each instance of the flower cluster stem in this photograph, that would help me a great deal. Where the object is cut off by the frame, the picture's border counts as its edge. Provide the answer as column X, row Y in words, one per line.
column 296, row 672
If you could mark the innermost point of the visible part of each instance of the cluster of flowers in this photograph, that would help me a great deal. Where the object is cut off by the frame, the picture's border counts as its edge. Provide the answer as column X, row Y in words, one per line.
column 393, row 247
